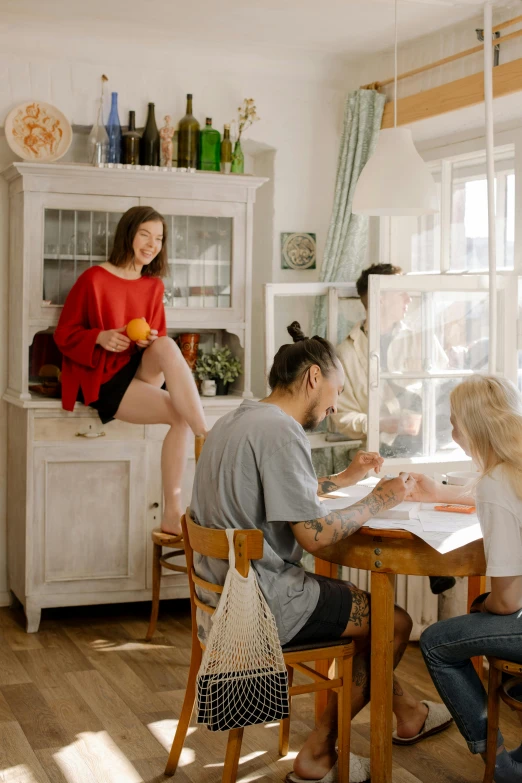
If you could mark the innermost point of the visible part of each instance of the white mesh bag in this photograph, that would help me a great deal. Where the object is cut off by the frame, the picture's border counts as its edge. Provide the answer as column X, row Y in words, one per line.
column 242, row 679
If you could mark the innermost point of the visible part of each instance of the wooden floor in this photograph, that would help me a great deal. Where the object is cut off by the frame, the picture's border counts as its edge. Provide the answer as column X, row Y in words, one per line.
column 86, row 699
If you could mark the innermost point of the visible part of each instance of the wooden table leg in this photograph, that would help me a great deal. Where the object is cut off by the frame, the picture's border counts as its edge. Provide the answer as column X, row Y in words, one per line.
column 324, row 568
column 476, row 586
column 381, row 715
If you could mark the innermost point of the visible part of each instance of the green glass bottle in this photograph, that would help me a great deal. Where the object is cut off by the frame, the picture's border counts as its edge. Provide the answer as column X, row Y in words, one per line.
column 188, row 139
column 209, row 147
column 131, row 142
column 226, row 151
column 150, row 141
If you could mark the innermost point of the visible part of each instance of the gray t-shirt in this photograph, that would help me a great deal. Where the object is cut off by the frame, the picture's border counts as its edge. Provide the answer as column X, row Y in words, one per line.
column 256, row 472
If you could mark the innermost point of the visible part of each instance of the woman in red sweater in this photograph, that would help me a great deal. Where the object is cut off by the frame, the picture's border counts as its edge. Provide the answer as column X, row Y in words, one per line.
column 121, row 379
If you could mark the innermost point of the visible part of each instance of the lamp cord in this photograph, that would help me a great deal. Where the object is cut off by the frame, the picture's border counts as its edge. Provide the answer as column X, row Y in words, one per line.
column 395, row 76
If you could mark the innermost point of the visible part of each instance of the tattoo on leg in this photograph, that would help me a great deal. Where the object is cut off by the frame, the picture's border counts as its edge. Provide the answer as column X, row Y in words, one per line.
column 397, row 690
column 361, row 675
column 360, row 608
column 401, row 649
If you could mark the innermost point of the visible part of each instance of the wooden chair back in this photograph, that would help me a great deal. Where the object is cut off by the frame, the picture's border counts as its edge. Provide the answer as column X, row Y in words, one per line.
column 208, row 542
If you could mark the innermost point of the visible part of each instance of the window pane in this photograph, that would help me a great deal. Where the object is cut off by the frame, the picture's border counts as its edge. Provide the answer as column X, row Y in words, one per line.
column 425, row 239
column 469, row 217
column 437, row 332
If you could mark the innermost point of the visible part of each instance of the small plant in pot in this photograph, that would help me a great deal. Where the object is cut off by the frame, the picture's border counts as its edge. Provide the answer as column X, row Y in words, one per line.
column 219, row 365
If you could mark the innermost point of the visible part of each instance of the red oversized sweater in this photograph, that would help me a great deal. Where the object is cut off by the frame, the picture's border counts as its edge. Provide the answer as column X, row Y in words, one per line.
column 99, row 301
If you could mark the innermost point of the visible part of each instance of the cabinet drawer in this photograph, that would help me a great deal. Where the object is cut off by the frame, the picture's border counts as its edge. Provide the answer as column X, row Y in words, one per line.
column 48, row 429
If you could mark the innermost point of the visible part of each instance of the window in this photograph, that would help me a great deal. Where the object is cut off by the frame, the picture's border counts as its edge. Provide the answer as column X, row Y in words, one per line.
column 456, row 239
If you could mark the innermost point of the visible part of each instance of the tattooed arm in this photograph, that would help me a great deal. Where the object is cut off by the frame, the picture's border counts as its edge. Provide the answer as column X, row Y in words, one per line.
column 356, row 470
column 315, row 534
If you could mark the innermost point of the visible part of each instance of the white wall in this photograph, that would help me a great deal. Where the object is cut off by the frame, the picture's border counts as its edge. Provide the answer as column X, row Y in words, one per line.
column 300, row 99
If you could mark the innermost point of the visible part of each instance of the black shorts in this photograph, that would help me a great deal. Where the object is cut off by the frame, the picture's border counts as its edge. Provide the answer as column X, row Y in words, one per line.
column 331, row 615
column 113, row 391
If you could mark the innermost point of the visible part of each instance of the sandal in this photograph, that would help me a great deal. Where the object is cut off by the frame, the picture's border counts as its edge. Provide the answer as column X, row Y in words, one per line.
column 359, row 772
column 438, row 719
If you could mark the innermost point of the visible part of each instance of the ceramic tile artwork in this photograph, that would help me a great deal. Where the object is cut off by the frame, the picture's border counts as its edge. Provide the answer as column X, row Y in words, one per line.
column 298, row 250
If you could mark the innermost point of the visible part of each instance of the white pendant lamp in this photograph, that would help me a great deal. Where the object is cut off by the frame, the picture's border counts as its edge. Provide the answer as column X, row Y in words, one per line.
column 395, row 180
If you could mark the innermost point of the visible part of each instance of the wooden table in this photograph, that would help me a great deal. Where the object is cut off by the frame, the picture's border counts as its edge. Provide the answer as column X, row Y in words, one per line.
column 386, row 553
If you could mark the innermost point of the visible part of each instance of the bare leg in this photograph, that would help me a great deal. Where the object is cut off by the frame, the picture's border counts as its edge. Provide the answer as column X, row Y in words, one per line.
column 144, row 403
column 318, row 754
column 163, row 360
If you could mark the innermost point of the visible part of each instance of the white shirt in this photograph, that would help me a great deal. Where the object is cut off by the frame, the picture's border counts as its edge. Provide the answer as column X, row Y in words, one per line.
column 500, row 515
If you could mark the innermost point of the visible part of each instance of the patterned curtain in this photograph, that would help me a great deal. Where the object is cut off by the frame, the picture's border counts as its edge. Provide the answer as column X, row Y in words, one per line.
column 347, row 239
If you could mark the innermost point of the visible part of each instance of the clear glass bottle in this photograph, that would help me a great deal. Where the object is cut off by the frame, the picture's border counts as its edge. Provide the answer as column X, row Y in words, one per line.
column 150, row 141
column 114, row 132
column 188, row 139
column 131, row 142
column 209, row 147
column 98, row 140
column 226, row 151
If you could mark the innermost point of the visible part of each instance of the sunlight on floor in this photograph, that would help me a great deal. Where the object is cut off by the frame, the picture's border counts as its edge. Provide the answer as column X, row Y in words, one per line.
column 95, row 756
column 103, row 645
column 19, row 774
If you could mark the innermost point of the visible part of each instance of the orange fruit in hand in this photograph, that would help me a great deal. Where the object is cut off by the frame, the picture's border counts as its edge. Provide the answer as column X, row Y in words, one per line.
column 138, row 329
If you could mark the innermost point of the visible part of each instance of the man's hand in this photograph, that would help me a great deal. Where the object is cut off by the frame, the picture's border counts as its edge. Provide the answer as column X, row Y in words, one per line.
column 359, row 467
column 390, row 492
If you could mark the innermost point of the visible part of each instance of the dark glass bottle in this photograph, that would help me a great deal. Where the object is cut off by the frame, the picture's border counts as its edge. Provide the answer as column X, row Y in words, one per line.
column 209, row 147
column 188, row 139
column 131, row 142
column 114, row 132
column 150, row 141
column 226, row 151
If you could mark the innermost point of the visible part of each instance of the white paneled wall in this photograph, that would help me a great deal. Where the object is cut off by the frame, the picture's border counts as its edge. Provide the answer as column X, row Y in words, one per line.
column 300, row 99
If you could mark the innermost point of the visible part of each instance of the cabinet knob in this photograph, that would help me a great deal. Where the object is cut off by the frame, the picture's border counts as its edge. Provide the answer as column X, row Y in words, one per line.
column 155, row 505
column 90, row 434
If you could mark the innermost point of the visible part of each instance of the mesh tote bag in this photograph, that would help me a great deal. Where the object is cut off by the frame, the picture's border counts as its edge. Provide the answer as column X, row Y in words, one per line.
column 242, row 679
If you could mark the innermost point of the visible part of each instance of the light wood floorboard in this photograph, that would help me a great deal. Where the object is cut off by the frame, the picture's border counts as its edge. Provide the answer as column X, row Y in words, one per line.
column 87, row 700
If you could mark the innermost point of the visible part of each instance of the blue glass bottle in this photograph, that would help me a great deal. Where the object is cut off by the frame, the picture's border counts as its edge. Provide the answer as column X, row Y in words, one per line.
column 114, row 132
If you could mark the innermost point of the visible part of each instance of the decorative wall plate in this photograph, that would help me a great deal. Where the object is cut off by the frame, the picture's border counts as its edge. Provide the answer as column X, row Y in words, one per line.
column 37, row 131
column 298, row 251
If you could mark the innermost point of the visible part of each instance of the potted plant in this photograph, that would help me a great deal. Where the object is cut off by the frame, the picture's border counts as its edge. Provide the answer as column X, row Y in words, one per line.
column 219, row 365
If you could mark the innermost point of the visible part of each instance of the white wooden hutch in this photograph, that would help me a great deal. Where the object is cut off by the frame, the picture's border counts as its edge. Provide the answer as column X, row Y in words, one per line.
column 82, row 497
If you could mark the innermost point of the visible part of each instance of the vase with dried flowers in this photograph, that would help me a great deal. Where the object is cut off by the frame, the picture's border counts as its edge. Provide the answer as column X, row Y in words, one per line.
column 247, row 115
column 98, row 137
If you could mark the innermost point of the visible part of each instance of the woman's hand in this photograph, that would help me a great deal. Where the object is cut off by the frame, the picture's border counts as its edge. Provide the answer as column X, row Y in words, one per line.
column 425, row 490
column 114, row 340
column 359, row 467
column 145, row 343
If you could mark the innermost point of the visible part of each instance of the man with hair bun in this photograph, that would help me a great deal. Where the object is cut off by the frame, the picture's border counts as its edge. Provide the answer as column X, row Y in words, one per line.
column 256, row 472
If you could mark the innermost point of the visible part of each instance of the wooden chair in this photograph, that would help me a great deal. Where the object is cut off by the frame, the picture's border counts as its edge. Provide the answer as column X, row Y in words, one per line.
column 160, row 561
column 249, row 546
column 498, row 690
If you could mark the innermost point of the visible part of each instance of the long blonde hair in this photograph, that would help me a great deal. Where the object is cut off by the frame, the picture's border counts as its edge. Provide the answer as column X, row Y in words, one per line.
column 488, row 412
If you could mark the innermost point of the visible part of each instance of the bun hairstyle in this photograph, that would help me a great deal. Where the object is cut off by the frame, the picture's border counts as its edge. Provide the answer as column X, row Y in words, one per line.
column 293, row 360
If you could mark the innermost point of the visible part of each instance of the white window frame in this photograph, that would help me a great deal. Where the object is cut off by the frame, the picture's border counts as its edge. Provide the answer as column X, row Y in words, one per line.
column 389, row 245
column 415, row 283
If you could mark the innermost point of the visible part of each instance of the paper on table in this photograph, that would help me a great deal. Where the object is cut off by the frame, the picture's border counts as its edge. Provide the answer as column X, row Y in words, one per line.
column 443, row 540
column 444, row 521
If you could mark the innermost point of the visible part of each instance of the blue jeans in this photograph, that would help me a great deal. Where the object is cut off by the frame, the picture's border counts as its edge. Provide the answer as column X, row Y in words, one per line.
column 448, row 647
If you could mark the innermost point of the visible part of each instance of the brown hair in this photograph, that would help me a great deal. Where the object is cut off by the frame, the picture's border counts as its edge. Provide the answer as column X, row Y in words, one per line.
column 375, row 269
column 126, row 231
column 293, row 360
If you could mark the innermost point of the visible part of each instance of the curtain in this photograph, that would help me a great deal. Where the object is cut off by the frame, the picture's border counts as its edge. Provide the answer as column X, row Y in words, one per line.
column 347, row 239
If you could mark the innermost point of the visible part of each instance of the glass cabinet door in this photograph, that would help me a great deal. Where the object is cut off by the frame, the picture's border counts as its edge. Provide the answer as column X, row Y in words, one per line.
column 74, row 240
column 200, row 262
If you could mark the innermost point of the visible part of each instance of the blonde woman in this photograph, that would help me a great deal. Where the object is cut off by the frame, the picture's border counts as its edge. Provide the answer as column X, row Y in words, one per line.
column 486, row 414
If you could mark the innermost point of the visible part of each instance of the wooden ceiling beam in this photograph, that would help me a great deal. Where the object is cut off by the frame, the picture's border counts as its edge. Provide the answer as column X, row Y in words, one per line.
column 469, row 91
